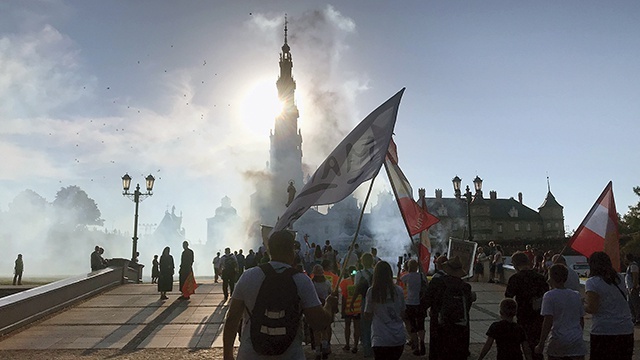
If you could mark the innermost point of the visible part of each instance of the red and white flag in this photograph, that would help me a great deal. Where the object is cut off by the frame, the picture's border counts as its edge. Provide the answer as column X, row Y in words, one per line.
column 424, row 250
column 416, row 219
column 355, row 160
column 599, row 229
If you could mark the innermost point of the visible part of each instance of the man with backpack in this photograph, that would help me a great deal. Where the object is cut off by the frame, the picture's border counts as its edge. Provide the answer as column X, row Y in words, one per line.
column 270, row 300
column 229, row 272
column 450, row 298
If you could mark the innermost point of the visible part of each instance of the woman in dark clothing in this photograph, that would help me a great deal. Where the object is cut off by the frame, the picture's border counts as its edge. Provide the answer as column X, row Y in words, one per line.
column 165, row 280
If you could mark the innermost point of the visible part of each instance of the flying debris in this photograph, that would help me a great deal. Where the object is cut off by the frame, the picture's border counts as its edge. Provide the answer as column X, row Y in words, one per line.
column 204, row 63
column 108, row 88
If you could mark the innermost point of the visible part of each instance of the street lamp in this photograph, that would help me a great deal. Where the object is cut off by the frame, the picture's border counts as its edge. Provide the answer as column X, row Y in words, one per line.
column 477, row 184
column 137, row 197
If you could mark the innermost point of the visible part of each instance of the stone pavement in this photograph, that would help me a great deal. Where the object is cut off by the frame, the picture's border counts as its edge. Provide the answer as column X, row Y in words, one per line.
column 131, row 318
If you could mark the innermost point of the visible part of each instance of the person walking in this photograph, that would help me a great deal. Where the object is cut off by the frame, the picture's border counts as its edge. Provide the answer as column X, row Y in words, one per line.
column 510, row 338
column 415, row 314
column 347, row 289
column 167, row 269
column 563, row 317
column 217, row 264
column 606, row 299
column 323, row 288
column 186, row 267
column 249, row 295
column 450, row 299
column 632, row 281
column 385, row 307
column 17, row 270
column 363, row 280
column 155, row 269
column 229, row 273
column 527, row 287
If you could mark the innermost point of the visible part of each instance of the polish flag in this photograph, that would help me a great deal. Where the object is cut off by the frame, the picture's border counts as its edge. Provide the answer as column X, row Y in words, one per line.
column 599, row 229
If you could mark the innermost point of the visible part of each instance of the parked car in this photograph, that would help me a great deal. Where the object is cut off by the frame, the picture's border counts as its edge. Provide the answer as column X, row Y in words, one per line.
column 582, row 268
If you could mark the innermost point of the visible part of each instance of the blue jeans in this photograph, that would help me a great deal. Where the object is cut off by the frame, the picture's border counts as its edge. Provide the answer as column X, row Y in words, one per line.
column 365, row 336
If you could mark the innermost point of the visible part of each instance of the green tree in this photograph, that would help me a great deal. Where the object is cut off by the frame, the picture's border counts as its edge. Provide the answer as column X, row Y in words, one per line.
column 630, row 228
column 74, row 207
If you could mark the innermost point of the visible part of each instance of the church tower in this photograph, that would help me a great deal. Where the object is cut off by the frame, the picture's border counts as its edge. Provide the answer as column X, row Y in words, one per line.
column 286, row 141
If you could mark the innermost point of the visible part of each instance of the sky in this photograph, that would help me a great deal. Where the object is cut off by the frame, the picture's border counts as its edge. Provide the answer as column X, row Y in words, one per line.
column 513, row 92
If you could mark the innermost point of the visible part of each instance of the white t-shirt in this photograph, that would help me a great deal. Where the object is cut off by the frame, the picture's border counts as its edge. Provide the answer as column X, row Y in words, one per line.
column 613, row 316
column 573, row 280
column 566, row 334
column 412, row 282
column 247, row 290
column 387, row 327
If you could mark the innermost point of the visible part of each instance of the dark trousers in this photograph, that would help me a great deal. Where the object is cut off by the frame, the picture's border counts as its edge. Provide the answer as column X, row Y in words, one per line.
column 387, row 352
column 18, row 277
column 608, row 347
column 532, row 329
column 228, row 283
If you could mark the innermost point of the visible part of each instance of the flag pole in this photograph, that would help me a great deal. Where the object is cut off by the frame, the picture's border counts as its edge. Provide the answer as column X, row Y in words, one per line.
column 395, row 193
column 355, row 237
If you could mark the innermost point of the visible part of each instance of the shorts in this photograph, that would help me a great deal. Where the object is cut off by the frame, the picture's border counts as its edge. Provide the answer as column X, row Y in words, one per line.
column 415, row 316
column 479, row 268
column 500, row 269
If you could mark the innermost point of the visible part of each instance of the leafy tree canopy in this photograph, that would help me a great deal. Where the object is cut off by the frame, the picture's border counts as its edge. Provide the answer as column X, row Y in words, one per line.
column 74, row 206
column 28, row 202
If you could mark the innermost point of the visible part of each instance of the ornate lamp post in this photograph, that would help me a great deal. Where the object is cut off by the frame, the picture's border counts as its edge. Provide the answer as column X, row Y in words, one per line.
column 137, row 197
column 477, row 184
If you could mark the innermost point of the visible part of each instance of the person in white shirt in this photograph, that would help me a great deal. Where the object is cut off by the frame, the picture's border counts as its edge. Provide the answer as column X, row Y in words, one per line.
column 605, row 298
column 563, row 317
column 244, row 298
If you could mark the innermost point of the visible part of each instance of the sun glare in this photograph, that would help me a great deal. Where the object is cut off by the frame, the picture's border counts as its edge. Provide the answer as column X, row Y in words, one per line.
column 260, row 106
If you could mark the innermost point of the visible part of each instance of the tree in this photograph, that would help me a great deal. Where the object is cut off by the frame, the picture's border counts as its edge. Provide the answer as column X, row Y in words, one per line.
column 28, row 203
column 630, row 228
column 75, row 207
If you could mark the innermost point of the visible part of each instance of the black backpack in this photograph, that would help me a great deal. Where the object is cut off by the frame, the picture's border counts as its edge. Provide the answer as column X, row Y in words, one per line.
column 455, row 303
column 276, row 314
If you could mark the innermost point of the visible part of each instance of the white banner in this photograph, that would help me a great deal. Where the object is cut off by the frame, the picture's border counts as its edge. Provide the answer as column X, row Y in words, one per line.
column 355, row 160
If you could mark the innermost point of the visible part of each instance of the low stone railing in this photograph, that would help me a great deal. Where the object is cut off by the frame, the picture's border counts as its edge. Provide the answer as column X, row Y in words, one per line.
column 25, row 307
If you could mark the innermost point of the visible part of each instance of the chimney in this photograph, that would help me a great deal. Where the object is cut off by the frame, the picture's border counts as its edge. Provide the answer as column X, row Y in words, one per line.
column 438, row 193
column 421, row 194
column 493, row 195
column 520, row 197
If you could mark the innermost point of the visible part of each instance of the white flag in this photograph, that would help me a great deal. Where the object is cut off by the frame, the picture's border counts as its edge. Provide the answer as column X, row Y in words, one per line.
column 355, row 160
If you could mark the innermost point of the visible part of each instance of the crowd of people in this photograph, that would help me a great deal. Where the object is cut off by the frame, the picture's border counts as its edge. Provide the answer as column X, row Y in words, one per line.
column 283, row 296
column 542, row 312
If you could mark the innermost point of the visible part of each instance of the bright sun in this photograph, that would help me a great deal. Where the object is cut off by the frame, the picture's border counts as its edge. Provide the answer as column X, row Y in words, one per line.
column 260, row 106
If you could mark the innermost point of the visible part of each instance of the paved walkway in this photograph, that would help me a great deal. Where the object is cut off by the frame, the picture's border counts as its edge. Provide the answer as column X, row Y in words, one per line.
column 131, row 317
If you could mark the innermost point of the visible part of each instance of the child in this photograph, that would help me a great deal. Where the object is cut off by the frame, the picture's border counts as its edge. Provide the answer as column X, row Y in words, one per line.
column 509, row 336
column 323, row 289
column 564, row 317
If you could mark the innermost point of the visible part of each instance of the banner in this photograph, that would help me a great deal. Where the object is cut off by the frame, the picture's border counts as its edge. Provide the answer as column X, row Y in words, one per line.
column 466, row 250
column 599, row 229
column 355, row 160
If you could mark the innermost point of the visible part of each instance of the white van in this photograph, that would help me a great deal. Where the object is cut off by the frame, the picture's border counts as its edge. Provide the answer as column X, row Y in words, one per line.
column 582, row 268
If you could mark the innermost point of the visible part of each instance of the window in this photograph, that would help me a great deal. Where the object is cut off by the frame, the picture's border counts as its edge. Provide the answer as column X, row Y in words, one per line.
column 499, row 228
column 528, row 227
column 548, row 225
column 516, row 226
